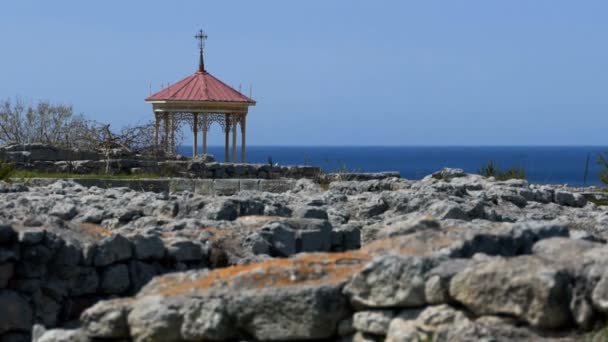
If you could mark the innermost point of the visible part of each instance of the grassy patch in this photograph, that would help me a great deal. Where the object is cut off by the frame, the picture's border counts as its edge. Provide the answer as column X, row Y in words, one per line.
column 6, row 170
column 21, row 174
column 492, row 170
column 598, row 202
column 603, row 161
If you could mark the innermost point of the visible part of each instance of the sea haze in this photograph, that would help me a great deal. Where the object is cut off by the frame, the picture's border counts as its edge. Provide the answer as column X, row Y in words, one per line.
column 543, row 164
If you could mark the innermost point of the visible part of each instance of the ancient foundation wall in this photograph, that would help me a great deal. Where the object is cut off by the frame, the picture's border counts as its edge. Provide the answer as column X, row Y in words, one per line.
column 198, row 186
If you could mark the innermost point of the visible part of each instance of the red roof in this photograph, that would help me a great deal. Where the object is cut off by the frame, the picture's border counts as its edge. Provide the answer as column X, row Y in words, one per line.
column 200, row 86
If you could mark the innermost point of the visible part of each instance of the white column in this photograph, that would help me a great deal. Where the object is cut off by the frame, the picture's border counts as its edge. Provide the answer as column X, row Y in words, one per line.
column 156, row 128
column 172, row 119
column 205, row 118
column 227, row 138
column 166, row 119
column 234, row 138
column 243, row 133
column 195, row 133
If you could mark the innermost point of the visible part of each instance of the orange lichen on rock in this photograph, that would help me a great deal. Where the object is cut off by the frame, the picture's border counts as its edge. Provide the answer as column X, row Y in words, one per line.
column 302, row 270
column 95, row 230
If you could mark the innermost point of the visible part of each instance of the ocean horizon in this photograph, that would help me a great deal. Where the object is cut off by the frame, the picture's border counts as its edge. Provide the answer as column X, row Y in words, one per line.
column 572, row 165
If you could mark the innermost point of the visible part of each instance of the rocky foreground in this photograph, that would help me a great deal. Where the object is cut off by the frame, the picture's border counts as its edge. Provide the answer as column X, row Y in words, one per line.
column 453, row 257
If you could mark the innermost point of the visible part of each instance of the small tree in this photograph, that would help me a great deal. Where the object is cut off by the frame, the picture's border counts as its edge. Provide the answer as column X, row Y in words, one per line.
column 44, row 122
column 603, row 161
column 492, row 170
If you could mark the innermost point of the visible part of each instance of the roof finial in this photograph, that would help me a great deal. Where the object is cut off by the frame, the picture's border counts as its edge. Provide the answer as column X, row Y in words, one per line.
column 201, row 37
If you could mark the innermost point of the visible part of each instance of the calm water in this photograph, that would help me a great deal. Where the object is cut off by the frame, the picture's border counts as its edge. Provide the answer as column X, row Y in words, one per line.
column 553, row 165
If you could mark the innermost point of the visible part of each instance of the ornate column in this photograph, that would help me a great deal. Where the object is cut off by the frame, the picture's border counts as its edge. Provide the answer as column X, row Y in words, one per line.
column 195, row 133
column 234, row 123
column 205, row 127
column 166, row 120
column 172, row 141
column 156, row 127
column 227, row 140
column 243, row 131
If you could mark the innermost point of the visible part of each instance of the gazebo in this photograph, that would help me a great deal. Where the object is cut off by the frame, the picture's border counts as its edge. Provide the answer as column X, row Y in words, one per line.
column 200, row 100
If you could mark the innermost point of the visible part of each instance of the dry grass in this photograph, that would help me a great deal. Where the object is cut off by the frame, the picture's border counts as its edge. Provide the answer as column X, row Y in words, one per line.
column 95, row 230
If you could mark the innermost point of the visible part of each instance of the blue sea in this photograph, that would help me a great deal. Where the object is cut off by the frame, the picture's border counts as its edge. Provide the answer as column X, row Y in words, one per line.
column 545, row 165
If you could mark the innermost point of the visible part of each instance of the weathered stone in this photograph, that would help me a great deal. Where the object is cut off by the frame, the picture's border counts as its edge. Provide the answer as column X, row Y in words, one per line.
column 46, row 309
column 374, row 206
column 93, row 215
column 31, row 236
column 6, row 273
column 85, row 281
column 563, row 250
column 373, row 322
column 184, row 250
column 344, row 238
column 34, row 261
column 112, row 249
column 203, row 186
column 404, row 330
column 282, row 238
column 7, row 234
column 581, row 307
column 311, row 234
column 249, row 184
column 65, row 211
column 310, row 212
column 106, row 319
column 437, row 287
column 148, row 247
column 127, row 214
column 312, row 313
column 68, row 254
column 206, row 320
column 115, row 279
column 155, row 319
column 222, row 210
column 570, row 199
column 436, row 290
column 226, row 186
column 390, row 281
column 346, row 328
column 249, row 206
column 276, row 185
column 600, row 294
column 7, row 255
column 165, row 209
column 64, row 335
column 488, row 329
column 524, row 287
column 180, row 185
column 141, row 273
column 257, row 244
column 448, row 173
column 17, row 314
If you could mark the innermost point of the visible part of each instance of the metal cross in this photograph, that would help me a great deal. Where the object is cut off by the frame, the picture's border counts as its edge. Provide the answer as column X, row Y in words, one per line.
column 201, row 37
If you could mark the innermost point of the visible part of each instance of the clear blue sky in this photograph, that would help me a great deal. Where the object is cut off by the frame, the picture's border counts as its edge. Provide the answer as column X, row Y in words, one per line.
column 327, row 72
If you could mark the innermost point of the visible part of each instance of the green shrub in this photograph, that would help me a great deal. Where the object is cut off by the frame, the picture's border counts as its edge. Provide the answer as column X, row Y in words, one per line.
column 603, row 161
column 491, row 169
column 6, row 170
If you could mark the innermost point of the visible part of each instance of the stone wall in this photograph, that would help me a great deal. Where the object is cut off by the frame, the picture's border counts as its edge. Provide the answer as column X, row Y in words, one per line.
column 48, row 277
column 172, row 168
column 44, row 158
column 222, row 187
